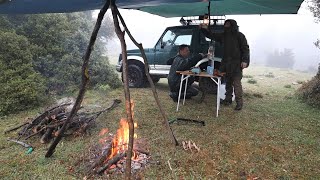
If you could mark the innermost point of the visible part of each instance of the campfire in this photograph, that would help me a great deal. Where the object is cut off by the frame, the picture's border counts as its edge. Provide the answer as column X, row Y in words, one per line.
column 112, row 157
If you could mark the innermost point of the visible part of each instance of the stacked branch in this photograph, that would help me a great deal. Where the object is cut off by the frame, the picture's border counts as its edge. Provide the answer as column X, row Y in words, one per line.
column 48, row 124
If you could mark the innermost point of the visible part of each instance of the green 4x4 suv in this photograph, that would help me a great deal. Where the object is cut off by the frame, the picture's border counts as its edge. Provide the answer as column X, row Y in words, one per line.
column 166, row 48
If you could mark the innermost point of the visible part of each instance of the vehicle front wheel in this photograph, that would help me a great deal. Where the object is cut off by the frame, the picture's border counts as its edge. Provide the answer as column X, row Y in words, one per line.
column 135, row 76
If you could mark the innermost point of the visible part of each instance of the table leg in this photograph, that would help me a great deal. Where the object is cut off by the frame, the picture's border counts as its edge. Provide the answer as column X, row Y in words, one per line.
column 182, row 76
column 218, row 96
column 185, row 89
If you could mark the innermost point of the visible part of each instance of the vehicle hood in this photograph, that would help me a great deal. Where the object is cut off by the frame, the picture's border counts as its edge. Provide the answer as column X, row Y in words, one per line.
column 137, row 51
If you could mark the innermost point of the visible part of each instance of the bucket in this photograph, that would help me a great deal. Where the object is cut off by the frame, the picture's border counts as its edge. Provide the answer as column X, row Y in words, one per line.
column 223, row 92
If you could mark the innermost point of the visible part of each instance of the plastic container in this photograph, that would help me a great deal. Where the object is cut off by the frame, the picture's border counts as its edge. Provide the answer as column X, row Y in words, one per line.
column 195, row 70
column 210, row 70
column 211, row 55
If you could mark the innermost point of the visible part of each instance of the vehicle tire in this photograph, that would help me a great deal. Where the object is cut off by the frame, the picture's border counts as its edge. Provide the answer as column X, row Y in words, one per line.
column 135, row 76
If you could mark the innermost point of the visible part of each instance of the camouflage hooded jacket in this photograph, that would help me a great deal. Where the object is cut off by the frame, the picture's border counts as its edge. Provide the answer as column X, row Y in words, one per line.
column 180, row 64
column 235, row 48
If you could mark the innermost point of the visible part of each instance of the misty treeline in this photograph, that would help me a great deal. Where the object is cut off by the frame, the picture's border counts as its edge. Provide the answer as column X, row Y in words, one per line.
column 281, row 59
column 310, row 91
column 41, row 55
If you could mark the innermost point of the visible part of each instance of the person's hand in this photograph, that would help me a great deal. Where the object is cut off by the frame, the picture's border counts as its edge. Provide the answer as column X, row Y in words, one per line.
column 244, row 65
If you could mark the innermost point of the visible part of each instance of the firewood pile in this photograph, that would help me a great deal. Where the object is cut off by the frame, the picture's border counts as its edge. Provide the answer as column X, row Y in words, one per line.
column 48, row 124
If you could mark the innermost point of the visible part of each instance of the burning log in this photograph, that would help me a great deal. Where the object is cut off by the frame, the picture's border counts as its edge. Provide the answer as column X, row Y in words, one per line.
column 112, row 161
column 106, row 153
column 141, row 146
column 114, row 150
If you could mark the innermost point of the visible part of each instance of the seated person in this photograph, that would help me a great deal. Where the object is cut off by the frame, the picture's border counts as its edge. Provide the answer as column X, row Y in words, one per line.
column 182, row 62
column 170, row 60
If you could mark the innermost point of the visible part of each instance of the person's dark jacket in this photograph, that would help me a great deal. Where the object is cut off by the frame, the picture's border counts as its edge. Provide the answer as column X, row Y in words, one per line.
column 236, row 48
column 180, row 64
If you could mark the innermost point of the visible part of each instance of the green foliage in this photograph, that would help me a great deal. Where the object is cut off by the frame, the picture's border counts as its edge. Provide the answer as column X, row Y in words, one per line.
column 59, row 42
column 44, row 52
column 310, row 91
column 252, row 81
column 282, row 59
column 287, row 86
column 247, row 76
column 314, row 6
column 21, row 87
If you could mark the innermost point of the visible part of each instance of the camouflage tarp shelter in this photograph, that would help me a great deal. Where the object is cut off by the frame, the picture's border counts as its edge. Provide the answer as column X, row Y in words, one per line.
column 165, row 8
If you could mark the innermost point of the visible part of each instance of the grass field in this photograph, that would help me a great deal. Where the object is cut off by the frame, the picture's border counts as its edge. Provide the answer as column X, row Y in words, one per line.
column 275, row 136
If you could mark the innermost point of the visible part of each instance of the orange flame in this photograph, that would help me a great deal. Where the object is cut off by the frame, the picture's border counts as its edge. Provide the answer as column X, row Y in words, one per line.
column 121, row 140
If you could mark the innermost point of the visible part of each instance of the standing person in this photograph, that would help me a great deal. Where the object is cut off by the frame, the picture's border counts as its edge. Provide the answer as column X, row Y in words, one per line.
column 235, row 58
column 182, row 62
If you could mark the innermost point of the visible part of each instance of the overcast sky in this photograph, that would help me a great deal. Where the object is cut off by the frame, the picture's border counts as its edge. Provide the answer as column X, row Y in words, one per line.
column 264, row 33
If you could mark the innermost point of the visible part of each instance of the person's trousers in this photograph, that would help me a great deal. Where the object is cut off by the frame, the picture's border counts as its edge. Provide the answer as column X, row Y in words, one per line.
column 234, row 83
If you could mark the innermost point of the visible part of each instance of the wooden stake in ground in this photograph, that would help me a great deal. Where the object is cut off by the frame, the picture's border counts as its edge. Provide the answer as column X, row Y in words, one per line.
column 146, row 68
column 85, row 78
column 120, row 35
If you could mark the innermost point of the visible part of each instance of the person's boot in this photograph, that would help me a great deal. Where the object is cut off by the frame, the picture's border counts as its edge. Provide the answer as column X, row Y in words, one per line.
column 174, row 96
column 238, row 107
column 226, row 102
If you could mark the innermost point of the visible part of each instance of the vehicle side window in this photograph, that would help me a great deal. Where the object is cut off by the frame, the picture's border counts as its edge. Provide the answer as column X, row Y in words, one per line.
column 168, row 38
column 183, row 39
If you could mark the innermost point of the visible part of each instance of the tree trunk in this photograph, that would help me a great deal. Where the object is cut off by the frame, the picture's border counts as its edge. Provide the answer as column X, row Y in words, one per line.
column 120, row 35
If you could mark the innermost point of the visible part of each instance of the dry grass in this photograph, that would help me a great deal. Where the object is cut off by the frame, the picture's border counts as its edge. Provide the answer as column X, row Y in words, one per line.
column 273, row 137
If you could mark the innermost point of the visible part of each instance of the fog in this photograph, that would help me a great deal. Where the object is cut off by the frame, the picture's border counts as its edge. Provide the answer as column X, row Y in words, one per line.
column 265, row 34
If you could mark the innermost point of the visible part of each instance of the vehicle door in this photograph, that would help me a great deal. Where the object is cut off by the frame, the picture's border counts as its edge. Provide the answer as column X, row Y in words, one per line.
column 168, row 46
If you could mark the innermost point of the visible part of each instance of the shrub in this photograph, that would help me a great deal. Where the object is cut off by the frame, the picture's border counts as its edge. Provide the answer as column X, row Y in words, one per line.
column 287, row 86
column 309, row 92
column 252, row 81
column 21, row 87
column 247, row 76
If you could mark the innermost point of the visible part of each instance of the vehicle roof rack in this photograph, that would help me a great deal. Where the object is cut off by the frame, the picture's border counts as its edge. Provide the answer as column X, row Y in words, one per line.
column 196, row 20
